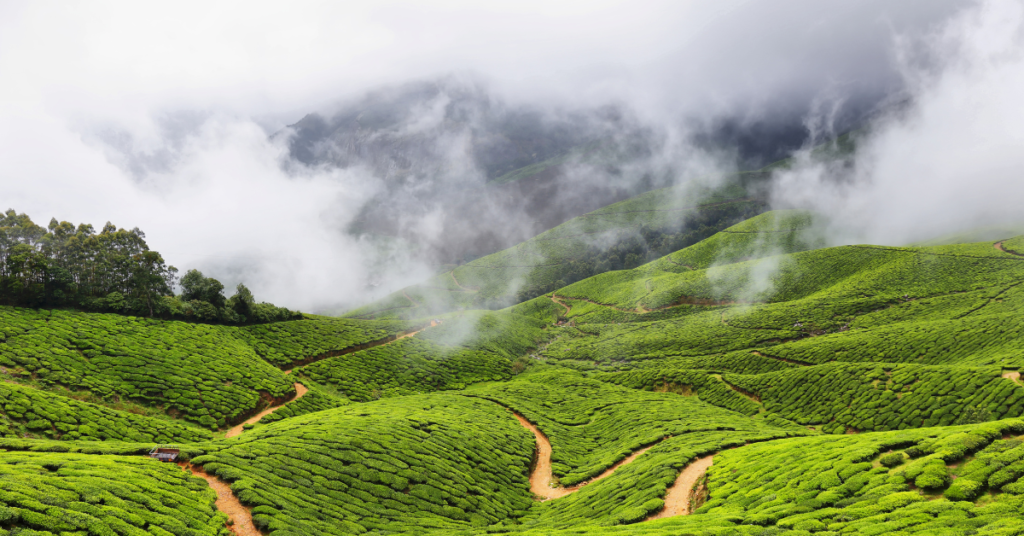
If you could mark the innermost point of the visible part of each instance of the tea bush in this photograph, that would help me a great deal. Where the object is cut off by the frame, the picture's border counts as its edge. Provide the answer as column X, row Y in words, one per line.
column 592, row 424
column 51, row 494
column 868, row 397
column 32, row 412
column 199, row 372
column 400, row 465
column 285, row 343
column 406, row 366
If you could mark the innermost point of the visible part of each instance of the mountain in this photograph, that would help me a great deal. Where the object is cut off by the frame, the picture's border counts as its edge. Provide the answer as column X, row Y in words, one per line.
column 463, row 173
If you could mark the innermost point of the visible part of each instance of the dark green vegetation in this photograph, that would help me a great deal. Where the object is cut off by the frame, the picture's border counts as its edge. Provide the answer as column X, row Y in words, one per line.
column 114, row 270
column 842, row 390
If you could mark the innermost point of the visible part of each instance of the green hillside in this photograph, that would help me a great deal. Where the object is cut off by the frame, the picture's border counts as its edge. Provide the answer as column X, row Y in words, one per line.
column 624, row 234
column 751, row 383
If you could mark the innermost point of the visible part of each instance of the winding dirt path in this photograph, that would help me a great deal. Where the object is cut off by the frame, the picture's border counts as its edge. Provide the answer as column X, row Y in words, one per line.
column 1012, row 375
column 678, row 498
column 240, row 516
column 999, row 246
column 541, row 477
column 300, row 391
column 557, row 300
column 466, row 289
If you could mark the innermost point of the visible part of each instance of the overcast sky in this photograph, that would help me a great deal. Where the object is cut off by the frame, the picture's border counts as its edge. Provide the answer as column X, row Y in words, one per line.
column 82, row 82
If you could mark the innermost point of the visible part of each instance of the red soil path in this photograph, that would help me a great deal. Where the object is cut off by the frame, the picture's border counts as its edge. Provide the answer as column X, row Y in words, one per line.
column 541, row 478
column 300, row 390
column 678, row 498
column 241, row 517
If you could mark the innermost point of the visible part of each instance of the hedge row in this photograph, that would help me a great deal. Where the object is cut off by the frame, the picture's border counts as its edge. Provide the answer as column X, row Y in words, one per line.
column 593, row 424
column 199, row 372
column 51, row 494
column 869, row 397
column 317, row 398
column 700, row 383
column 283, row 343
column 29, row 412
column 406, row 366
column 400, row 465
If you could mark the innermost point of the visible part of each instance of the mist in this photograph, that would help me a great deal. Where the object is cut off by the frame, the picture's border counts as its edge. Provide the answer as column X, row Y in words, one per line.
column 947, row 158
column 184, row 121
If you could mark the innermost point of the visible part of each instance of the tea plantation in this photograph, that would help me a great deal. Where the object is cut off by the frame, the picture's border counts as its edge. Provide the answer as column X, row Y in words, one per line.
column 50, row 494
column 854, row 389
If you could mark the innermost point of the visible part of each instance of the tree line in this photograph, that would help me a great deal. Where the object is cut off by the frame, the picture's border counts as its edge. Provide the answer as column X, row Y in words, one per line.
column 113, row 270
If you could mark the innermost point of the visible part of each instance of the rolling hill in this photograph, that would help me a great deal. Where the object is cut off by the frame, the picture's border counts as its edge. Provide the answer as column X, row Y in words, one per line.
column 751, row 382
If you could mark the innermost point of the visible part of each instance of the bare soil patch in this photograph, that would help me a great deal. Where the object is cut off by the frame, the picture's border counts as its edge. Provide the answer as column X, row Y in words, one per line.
column 300, row 391
column 240, row 516
column 677, row 500
column 541, row 478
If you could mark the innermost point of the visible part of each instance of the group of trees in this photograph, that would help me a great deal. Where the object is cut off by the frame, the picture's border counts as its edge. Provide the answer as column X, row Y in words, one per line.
column 114, row 270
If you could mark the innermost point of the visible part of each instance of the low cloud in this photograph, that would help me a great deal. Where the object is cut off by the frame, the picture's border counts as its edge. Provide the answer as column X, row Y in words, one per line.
column 946, row 156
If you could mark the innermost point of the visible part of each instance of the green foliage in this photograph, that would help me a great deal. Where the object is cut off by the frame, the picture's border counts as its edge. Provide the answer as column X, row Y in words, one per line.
column 50, row 494
column 636, row 231
column 593, row 424
column 401, row 465
column 869, row 397
column 318, row 398
column 406, row 366
column 200, row 372
column 472, row 347
column 285, row 344
column 111, row 271
column 27, row 411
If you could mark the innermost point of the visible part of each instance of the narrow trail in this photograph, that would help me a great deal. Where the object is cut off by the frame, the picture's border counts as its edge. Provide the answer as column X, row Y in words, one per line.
column 465, row 289
column 999, row 246
column 541, row 478
column 300, row 391
column 357, row 348
column 240, row 516
column 1012, row 375
column 680, row 495
column 557, row 300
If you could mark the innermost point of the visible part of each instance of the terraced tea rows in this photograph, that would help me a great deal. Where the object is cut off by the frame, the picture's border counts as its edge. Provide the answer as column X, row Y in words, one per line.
column 50, row 494
column 822, row 383
column 287, row 344
column 402, row 465
column 31, row 412
column 462, row 350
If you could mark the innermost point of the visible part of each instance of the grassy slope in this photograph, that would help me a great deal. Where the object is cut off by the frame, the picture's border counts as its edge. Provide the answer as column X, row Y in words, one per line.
column 492, row 281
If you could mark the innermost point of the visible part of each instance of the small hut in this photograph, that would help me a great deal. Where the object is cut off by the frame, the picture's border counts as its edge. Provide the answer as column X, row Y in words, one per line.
column 165, row 453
